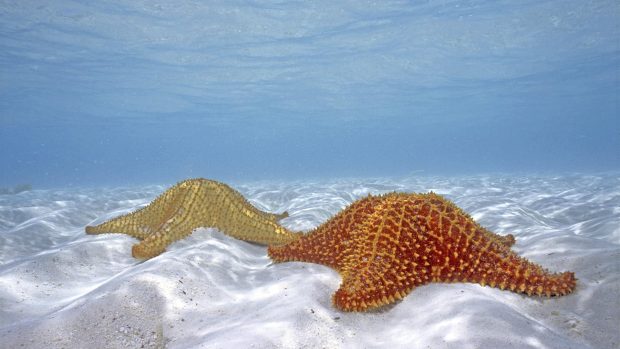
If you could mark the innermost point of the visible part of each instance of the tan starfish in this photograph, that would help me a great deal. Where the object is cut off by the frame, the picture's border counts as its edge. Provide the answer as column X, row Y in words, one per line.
column 192, row 204
column 385, row 246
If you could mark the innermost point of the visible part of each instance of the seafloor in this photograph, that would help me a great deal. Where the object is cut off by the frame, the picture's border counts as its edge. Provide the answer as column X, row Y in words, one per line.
column 61, row 288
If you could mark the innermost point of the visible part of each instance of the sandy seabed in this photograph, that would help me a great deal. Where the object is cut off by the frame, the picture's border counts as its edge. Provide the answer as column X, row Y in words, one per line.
column 61, row 288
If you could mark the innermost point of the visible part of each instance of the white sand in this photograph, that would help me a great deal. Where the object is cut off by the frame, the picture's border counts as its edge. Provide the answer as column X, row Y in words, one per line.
column 60, row 288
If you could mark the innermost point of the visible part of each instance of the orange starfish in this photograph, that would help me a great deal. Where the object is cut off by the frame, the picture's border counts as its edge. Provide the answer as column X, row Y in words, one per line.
column 385, row 246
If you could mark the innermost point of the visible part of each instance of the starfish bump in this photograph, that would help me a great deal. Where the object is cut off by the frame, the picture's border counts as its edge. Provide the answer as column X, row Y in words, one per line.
column 192, row 204
column 385, row 246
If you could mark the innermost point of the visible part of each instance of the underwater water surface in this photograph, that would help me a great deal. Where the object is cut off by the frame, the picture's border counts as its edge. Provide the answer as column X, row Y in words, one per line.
column 119, row 92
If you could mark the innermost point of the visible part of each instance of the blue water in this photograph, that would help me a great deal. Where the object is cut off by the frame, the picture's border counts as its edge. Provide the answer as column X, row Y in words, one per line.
column 116, row 92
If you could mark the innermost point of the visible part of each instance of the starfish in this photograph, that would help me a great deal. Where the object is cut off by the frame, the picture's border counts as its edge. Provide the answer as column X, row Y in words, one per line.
column 192, row 204
column 385, row 246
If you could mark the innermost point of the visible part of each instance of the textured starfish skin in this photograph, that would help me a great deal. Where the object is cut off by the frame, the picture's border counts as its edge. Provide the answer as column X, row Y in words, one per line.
column 385, row 246
column 192, row 204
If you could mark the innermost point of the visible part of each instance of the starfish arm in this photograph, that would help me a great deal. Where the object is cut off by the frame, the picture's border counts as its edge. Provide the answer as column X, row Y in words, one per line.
column 374, row 279
column 313, row 248
column 507, row 240
column 450, row 214
column 154, row 244
column 459, row 249
column 146, row 220
column 275, row 217
column 383, row 266
column 327, row 244
column 136, row 230
column 509, row 271
column 157, row 242
column 240, row 201
column 365, row 291
column 504, row 240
